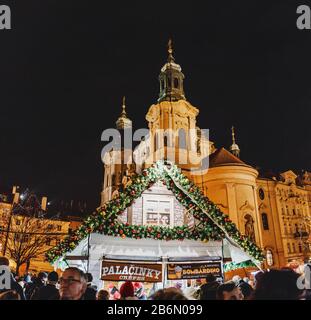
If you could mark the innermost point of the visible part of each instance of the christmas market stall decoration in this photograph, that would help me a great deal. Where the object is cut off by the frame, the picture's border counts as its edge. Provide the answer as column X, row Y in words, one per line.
column 212, row 225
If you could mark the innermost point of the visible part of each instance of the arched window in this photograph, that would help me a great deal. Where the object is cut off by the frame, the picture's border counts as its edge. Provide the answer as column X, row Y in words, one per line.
column 169, row 82
column 165, row 141
column 300, row 247
column 176, row 83
column 182, row 139
column 265, row 223
column 288, row 248
column 162, row 85
column 294, row 247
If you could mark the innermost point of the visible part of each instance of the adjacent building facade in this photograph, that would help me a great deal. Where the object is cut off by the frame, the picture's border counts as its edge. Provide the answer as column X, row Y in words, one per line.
column 27, row 230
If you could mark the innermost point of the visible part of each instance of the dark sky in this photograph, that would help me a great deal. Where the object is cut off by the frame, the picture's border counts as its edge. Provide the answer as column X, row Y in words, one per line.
column 65, row 66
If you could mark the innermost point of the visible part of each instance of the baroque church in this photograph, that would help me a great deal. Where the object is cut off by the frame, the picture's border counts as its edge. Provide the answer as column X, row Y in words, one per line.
column 273, row 210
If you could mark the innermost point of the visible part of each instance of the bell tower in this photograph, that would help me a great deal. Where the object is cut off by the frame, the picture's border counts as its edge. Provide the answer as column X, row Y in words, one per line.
column 171, row 79
column 120, row 165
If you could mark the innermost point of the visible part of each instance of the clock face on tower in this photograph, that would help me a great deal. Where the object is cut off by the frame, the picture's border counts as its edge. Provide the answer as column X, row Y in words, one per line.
column 261, row 194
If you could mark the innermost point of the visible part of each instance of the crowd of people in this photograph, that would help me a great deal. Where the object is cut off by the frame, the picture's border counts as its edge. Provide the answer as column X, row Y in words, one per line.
column 74, row 284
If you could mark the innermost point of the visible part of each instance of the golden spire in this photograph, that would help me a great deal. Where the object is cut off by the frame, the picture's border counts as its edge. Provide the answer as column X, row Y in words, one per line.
column 234, row 147
column 233, row 138
column 123, row 121
column 170, row 50
column 123, row 113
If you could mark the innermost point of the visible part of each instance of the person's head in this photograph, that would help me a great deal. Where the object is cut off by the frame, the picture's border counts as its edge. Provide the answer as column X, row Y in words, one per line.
column 42, row 276
column 89, row 277
column 246, row 289
column 208, row 291
column 277, row 285
column 168, row 294
column 127, row 290
column 73, row 284
column 102, row 295
column 229, row 291
column 53, row 277
column 210, row 278
column 236, row 279
column 4, row 261
column 10, row 295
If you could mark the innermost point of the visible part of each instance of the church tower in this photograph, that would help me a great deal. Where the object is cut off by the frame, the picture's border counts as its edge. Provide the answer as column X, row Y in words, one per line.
column 173, row 134
column 119, row 165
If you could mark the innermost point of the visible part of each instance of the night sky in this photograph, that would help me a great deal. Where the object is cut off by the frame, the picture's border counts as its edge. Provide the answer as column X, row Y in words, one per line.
column 65, row 66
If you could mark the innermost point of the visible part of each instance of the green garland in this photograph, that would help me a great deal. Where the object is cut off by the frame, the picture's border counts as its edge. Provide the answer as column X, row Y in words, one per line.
column 105, row 221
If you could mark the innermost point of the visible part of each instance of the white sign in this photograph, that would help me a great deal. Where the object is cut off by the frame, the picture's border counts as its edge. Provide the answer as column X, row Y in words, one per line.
column 5, row 277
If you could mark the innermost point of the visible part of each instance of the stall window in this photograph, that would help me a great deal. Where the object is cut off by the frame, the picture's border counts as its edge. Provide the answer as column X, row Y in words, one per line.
column 158, row 212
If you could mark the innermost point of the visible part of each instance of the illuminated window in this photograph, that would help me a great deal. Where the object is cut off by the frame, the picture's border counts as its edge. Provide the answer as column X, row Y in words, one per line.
column 158, row 211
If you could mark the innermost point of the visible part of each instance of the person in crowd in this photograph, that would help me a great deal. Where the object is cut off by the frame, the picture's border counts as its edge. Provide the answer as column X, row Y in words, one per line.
column 168, row 294
column 246, row 289
column 191, row 293
column 127, row 291
column 236, row 279
column 229, row 291
column 73, row 284
column 208, row 289
column 102, row 295
column 10, row 295
column 277, row 285
column 139, row 291
column 90, row 293
column 13, row 284
column 113, row 292
column 48, row 292
column 178, row 285
column 35, row 285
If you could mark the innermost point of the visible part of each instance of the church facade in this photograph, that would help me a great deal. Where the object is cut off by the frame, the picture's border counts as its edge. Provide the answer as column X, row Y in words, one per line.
column 272, row 210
